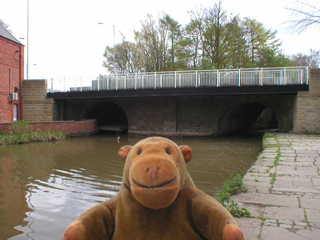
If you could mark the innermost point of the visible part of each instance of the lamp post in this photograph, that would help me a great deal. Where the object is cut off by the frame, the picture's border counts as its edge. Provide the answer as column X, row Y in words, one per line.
column 114, row 49
column 27, row 40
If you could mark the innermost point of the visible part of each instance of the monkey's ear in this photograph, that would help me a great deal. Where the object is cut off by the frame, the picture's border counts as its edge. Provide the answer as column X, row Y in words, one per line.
column 187, row 152
column 123, row 152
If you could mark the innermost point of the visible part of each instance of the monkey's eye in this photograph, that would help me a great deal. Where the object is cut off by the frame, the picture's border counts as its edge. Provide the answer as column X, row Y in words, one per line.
column 139, row 151
column 168, row 151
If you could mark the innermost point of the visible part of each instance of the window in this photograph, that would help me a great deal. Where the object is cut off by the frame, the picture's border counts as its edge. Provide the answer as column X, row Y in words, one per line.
column 15, row 112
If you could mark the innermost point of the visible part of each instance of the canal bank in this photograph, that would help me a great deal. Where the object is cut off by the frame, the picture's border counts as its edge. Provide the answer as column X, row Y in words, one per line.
column 283, row 190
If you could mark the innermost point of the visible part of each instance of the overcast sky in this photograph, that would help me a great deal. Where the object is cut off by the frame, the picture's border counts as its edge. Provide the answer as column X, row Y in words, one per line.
column 65, row 39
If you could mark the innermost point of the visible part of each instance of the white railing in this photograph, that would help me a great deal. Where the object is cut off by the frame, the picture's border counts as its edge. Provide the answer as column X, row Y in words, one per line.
column 184, row 79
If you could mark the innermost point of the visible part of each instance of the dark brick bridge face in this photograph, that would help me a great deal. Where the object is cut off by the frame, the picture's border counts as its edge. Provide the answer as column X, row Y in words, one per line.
column 185, row 115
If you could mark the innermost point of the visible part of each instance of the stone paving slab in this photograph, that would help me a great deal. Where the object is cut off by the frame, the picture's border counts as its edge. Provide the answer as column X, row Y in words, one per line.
column 291, row 182
column 287, row 213
column 267, row 199
column 311, row 203
column 257, row 178
column 263, row 162
column 278, row 233
column 295, row 189
column 309, row 234
column 297, row 164
column 260, row 169
column 251, row 227
column 283, row 190
column 313, row 216
column 287, row 159
column 316, row 181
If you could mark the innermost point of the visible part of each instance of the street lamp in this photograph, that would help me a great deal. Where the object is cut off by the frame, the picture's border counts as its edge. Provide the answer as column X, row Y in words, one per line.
column 27, row 40
column 114, row 49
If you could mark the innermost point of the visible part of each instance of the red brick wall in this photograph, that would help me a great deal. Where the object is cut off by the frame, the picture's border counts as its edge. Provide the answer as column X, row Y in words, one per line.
column 11, row 75
column 66, row 127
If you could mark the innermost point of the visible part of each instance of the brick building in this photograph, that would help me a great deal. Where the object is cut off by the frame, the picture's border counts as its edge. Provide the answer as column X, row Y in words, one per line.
column 11, row 76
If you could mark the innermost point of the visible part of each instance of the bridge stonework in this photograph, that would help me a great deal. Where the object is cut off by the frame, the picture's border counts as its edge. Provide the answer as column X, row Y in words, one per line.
column 307, row 106
column 185, row 115
column 35, row 105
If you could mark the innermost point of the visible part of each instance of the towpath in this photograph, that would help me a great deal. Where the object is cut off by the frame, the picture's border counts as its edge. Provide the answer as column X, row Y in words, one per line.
column 283, row 190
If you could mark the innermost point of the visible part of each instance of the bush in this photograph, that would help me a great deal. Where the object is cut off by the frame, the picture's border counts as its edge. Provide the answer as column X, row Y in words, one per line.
column 20, row 127
column 21, row 132
column 232, row 186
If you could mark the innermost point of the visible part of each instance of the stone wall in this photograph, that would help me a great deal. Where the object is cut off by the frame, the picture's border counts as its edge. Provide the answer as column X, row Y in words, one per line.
column 185, row 115
column 307, row 106
column 35, row 104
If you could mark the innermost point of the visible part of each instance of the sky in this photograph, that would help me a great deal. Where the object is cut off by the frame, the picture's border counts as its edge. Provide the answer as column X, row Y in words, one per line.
column 65, row 39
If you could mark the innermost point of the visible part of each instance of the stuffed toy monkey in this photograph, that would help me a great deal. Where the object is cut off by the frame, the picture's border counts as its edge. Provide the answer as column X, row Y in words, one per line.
column 157, row 200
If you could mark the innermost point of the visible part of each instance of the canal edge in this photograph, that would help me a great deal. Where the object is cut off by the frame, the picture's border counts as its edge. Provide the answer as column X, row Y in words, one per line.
column 283, row 189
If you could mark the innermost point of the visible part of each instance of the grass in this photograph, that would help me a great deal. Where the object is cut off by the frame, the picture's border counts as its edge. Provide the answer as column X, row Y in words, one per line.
column 266, row 140
column 268, row 135
column 21, row 132
column 232, row 186
column 276, row 161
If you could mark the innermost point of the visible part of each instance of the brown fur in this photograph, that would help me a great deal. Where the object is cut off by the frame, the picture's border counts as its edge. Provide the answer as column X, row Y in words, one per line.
column 157, row 200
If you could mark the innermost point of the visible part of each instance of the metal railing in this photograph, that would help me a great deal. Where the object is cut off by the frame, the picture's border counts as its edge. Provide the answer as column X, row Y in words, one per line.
column 184, row 79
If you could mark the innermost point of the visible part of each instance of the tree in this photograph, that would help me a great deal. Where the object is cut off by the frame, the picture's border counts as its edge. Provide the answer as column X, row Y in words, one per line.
column 194, row 33
column 259, row 41
column 214, row 35
column 191, row 44
column 305, row 15
column 151, row 41
column 127, row 59
column 312, row 60
column 237, row 56
column 173, row 29
column 210, row 40
column 270, row 57
column 124, row 58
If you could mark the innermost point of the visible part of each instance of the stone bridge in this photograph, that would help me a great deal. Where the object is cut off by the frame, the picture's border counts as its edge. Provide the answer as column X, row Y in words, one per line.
column 185, row 112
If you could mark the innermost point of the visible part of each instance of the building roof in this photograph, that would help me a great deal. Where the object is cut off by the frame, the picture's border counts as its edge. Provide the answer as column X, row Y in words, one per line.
column 6, row 34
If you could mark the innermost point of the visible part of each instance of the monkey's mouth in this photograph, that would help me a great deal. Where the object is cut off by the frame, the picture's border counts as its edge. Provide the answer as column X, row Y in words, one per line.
column 155, row 186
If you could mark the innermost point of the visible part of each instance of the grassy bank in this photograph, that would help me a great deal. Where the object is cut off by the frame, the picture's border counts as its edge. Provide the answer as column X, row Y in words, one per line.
column 232, row 186
column 21, row 132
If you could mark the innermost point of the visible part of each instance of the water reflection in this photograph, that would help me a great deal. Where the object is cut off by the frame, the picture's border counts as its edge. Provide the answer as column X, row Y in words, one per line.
column 45, row 186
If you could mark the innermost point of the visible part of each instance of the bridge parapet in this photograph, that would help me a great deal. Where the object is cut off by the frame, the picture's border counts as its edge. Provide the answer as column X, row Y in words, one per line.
column 184, row 79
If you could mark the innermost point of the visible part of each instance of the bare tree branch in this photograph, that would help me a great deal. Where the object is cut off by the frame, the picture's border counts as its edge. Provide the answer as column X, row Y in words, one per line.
column 305, row 16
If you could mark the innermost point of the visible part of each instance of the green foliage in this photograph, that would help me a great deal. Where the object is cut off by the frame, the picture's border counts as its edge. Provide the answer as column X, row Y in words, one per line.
column 20, row 127
column 212, row 39
column 273, row 177
column 277, row 158
column 232, row 186
column 268, row 135
column 235, row 210
column 276, row 161
column 21, row 132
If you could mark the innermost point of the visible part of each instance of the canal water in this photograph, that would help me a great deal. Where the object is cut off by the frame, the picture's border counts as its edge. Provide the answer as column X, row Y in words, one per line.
column 45, row 186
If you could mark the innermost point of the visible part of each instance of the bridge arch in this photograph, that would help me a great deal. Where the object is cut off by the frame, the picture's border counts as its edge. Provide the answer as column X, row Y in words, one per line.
column 245, row 117
column 107, row 113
